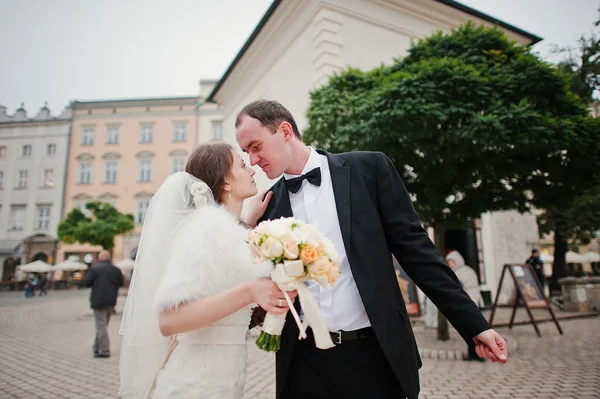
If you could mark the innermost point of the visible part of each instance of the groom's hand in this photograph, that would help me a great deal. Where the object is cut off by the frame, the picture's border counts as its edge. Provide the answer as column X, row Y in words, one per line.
column 257, row 207
column 491, row 346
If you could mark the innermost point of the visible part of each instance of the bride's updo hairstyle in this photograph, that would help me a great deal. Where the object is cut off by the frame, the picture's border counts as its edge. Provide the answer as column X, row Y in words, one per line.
column 212, row 163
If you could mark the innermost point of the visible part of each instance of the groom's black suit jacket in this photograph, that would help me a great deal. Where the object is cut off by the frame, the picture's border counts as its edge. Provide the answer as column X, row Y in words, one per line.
column 377, row 219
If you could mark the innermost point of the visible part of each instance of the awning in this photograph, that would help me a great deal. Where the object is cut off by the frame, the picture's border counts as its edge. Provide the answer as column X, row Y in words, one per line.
column 70, row 266
column 38, row 266
column 8, row 247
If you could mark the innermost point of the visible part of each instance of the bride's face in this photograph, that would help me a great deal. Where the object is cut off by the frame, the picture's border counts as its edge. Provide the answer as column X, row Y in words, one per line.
column 241, row 181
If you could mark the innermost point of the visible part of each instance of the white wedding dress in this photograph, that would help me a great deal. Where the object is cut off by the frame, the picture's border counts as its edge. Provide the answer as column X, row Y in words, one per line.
column 207, row 254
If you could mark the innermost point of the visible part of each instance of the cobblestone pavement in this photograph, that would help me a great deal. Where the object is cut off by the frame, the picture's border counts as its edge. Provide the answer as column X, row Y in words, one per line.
column 45, row 352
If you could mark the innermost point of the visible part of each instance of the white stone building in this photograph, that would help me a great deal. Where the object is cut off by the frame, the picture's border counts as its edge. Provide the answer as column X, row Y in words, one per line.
column 33, row 157
column 298, row 44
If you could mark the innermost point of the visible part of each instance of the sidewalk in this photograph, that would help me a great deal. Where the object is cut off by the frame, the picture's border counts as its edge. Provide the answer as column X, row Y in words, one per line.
column 45, row 352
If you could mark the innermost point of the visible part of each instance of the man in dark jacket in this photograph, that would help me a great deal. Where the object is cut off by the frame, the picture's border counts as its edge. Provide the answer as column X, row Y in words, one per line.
column 105, row 280
column 538, row 266
column 43, row 284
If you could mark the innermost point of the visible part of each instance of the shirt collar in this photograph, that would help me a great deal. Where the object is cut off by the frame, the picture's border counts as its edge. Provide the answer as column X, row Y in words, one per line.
column 314, row 161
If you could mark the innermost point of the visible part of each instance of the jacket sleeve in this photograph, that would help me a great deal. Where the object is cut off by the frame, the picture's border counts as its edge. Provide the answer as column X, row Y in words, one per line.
column 121, row 278
column 90, row 277
column 419, row 257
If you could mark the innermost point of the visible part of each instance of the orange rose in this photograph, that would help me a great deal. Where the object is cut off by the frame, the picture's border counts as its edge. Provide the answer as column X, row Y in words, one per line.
column 308, row 254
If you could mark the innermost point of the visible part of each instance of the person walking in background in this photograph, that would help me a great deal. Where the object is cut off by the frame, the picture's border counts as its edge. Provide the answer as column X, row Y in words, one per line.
column 538, row 266
column 43, row 284
column 105, row 280
column 30, row 286
column 470, row 283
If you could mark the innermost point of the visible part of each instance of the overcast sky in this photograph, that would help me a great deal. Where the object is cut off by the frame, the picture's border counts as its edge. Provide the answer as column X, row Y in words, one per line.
column 63, row 50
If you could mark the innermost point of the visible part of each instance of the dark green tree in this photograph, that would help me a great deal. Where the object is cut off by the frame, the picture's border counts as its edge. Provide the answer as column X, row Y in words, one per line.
column 583, row 64
column 468, row 118
column 101, row 228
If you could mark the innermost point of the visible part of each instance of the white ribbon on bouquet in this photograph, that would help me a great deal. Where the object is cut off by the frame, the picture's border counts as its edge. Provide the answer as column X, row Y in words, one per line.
column 289, row 277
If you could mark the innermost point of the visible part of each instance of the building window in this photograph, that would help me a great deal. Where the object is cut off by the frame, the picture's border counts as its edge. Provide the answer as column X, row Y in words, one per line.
column 145, row 170
column 48, row 178
column 178, row 165
column 112, row 135
column 87, row 136
column 27, row 150
column 51, row 149
column 146, row 134
column 110, row 175
column 80, row 201
column 85, row 173
column 22, row 180
column 17, row 218
column 43, row 217
column 142, row 207
column 2, row 151
column 217, row 130
column 109, row 199
column 1, row 180
column 179, row 132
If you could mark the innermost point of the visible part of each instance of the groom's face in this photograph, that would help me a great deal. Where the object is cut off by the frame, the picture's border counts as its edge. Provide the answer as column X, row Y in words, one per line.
column 265, row 148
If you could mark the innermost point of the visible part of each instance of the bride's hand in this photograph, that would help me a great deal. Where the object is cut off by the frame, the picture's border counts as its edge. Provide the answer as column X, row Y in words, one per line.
column 257, row 206
column 265, row 292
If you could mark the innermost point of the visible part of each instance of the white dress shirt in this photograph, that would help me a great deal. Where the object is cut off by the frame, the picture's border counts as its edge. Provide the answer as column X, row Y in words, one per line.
column 341, row 306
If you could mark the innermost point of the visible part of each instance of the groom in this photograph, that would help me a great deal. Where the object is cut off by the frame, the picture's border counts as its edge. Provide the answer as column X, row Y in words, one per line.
column 359, row 202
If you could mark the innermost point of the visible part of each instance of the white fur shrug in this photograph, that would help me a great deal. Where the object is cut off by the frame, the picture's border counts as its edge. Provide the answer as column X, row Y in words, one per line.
column 207, row 254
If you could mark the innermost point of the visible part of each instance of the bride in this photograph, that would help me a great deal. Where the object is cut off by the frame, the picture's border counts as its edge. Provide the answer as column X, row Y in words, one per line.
column 186, row 317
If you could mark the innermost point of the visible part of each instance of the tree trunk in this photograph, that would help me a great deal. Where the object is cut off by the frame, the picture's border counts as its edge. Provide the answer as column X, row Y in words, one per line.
column 443, row 333
column 559, row 268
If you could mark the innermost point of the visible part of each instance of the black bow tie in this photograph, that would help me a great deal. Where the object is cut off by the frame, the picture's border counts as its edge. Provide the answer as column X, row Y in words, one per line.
column 313, row 177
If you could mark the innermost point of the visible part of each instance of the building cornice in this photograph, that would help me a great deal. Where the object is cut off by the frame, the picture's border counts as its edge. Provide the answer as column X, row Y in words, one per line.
column 134, row 102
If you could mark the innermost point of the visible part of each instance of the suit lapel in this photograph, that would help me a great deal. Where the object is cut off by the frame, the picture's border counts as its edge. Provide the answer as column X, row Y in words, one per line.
column 340, row 179
column 281, row 197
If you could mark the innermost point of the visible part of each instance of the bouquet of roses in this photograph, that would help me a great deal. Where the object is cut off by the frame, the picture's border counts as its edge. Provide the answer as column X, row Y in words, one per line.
column 299, row 253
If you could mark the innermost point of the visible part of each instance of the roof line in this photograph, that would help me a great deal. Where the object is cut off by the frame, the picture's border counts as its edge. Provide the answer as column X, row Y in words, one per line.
column 476, row 13
column 243, row 50
column 271, row 10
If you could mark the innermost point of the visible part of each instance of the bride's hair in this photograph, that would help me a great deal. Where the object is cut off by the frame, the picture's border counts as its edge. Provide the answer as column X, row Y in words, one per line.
column 212, row 163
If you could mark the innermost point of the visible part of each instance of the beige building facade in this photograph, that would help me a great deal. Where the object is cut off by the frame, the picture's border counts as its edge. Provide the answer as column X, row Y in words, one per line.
column 120, row 152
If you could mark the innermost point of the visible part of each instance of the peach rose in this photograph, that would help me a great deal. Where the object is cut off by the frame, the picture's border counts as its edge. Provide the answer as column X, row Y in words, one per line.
column 290, row 247
column 308, row 254
column 318, row 270
column 333, row 273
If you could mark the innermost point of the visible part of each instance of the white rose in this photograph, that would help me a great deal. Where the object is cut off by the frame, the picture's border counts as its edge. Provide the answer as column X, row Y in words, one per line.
column 272, row 248
column 253, row 237
column 301, row 234
column 278, row 228
column 262, row 228
column 330, row 249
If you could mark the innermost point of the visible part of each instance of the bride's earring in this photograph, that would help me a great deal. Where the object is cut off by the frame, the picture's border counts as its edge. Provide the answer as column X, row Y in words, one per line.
column 228, row 196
